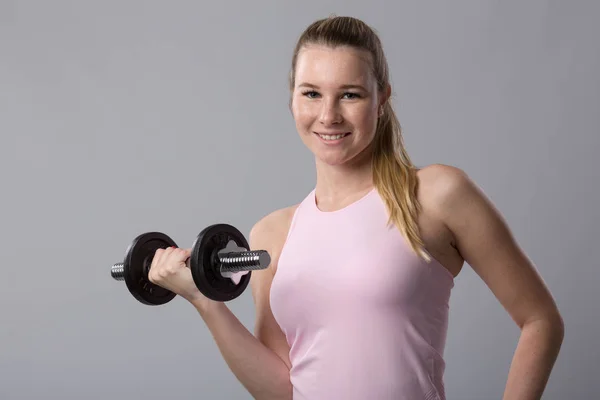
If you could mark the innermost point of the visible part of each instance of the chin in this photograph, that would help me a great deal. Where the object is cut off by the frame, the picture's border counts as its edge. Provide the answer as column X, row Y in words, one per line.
column 331, row 163
column 332, row 159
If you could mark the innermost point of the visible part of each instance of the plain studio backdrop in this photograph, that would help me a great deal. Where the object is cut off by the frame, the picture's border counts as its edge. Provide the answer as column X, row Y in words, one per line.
column 121, row 117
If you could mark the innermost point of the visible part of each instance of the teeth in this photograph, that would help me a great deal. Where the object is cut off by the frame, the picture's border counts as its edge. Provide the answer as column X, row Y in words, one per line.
column 332, row 137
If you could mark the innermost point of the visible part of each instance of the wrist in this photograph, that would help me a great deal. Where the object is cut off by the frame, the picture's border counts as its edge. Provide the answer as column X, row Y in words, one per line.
column 202, row 303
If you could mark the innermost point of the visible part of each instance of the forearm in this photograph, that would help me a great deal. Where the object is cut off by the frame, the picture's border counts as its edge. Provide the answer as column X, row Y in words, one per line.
column 534, row 358
column 260, row 370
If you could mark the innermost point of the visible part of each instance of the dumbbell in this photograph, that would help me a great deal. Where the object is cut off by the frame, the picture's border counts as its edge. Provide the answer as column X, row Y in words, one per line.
column 211, row 257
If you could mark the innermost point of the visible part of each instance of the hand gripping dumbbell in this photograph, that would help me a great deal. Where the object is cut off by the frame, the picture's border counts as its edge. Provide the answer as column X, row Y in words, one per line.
column 211, row 258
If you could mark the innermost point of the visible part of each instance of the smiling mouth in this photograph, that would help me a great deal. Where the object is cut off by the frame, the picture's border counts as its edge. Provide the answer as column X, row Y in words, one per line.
column 333, row 137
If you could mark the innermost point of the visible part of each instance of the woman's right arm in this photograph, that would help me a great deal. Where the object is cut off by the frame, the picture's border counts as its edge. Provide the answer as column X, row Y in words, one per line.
column 260, row 362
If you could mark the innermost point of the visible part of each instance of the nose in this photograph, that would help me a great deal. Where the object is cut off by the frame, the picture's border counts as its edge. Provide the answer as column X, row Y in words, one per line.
column 330, row 113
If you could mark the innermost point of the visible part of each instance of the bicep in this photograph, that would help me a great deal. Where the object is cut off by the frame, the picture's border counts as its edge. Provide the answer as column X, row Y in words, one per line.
column 266, row 328
column 487, row 244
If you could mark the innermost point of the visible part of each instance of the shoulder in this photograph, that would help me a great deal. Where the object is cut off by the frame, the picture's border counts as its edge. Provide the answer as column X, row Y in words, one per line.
column 270, row 231
column 273, row 223
column 443, row 179
column 443, row 186
column 461, row 205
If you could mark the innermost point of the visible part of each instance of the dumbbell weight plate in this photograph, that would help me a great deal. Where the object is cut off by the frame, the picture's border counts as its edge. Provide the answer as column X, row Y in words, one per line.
column 137, row 264
column 204, row 262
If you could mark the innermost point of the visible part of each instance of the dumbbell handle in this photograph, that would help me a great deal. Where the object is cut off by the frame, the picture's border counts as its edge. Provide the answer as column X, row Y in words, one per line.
column 230, row 262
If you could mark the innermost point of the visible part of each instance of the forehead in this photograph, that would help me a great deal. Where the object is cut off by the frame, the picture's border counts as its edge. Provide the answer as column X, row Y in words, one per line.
column 328, row 66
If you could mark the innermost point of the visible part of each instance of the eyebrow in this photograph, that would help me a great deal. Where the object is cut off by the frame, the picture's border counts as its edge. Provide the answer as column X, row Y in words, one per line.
column 310, row 85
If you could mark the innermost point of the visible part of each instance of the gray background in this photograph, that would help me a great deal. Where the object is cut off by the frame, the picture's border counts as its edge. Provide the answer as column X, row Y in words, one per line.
column 120, row 117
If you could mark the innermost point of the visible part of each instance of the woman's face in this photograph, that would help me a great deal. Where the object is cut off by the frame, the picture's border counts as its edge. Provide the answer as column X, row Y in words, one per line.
column 335, row 102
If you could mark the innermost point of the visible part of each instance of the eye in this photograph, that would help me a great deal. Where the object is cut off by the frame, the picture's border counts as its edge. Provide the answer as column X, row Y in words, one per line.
column 353, row 95
column 309, row 93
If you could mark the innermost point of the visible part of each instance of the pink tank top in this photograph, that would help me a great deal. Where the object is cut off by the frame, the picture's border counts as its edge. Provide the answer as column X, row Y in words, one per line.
column 364, row 317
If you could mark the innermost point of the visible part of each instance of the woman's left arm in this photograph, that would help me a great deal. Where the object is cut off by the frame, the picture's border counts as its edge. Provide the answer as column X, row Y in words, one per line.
column 486, row 243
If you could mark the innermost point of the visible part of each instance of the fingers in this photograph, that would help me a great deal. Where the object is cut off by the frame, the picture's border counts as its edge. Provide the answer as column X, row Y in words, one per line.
column 180, row 255
column 157, row 267
column 167, row 262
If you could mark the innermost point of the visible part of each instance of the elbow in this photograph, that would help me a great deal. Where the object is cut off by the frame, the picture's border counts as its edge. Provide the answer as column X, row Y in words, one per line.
column 557, row 325
column 552, row 324
column 556, row 331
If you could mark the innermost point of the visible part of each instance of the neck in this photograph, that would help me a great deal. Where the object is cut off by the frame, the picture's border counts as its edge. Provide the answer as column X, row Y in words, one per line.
column 336, row 183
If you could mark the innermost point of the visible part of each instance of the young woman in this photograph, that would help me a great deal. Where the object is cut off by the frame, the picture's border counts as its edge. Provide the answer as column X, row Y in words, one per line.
column 355, row 302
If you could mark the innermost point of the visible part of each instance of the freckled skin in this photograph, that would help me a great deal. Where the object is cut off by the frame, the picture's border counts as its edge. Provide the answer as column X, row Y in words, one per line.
column 330, row 108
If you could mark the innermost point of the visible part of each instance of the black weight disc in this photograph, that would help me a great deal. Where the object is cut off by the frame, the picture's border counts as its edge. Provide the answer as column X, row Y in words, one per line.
column 204, row 262
column 137, row 263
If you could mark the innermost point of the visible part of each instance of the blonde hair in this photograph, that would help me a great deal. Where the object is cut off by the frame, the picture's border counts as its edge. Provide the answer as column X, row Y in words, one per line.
column 394, row 175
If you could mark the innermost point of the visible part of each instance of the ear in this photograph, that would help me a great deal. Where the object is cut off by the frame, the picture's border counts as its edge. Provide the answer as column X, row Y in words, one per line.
column 385, row 95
